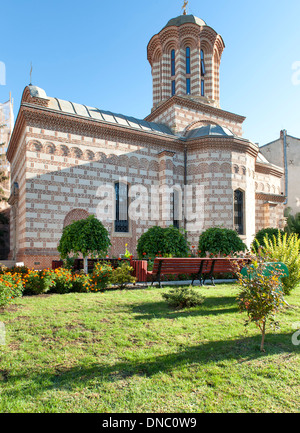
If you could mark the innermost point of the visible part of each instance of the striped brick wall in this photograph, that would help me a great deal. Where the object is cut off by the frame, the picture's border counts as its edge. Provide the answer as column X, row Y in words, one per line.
column 59, row 175
column 181, row 118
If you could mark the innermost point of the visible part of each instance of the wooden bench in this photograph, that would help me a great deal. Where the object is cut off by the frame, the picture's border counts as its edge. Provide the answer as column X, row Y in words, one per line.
column 222, row 266
column 200, row 268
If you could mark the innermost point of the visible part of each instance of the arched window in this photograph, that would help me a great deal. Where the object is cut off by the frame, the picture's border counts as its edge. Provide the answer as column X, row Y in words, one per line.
column 188, row 60
column 239, row 211
column 202, row 64
column 172, row 63
column 121, row 217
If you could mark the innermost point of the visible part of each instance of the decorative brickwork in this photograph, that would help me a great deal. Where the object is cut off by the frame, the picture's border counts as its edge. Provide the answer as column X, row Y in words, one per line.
column 64, row 157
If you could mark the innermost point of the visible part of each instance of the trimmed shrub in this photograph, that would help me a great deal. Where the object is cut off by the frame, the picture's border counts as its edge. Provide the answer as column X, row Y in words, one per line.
column 164, row 242
column 11, row 287
column 269, row 232
column 183, row 297
column 121, row 276
column 285, row 249
column 217, row 240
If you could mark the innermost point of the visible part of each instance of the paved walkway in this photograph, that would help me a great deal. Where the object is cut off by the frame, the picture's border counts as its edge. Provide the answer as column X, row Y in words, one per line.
column 186, row 283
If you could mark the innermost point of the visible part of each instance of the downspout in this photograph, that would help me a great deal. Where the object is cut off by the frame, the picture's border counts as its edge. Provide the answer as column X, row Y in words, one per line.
column 185, row 184
column 285, row 166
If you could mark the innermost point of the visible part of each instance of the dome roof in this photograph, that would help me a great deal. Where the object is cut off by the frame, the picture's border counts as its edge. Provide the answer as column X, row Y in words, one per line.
column 37, row 92
column 184, row 19
column 209, row 130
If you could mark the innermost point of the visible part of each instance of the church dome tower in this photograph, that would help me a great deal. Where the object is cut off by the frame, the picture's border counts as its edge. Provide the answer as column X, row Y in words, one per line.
column 185, row 59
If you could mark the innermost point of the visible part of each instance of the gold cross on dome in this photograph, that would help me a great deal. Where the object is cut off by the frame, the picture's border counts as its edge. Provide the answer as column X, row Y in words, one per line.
column 184, row 7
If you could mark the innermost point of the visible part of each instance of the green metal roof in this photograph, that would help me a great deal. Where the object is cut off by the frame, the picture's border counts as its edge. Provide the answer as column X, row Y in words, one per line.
column 184, row 19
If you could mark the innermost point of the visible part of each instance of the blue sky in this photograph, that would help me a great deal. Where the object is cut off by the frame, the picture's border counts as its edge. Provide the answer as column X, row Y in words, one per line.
column 94, row 52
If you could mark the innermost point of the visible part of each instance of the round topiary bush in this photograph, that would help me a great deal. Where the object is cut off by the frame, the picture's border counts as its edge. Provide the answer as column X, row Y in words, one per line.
column 217, row 240
column 164, row 242
column 87, row 237
column 268, row 233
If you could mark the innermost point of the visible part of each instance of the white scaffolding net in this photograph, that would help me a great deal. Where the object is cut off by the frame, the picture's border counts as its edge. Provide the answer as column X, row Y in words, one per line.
column 6, row 127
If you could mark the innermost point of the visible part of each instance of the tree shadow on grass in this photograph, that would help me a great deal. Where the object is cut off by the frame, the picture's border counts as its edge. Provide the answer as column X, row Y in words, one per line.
column 161, row 310
column 241, row 350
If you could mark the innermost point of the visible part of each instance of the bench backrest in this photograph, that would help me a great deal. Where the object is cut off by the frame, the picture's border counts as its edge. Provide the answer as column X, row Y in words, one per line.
column 194, row 265
column 226, row 265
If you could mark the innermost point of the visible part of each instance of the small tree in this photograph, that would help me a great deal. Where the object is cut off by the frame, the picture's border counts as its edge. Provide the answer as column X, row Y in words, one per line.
column 86, row 237
column 261, row 296
column 293, row 223
column 218, row 240
column 158, row 241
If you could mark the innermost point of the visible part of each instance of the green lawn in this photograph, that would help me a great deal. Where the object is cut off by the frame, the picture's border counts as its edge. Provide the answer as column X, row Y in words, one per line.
column 127, row 351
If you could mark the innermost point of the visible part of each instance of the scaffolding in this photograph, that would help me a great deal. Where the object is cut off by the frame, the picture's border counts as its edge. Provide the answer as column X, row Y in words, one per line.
column 6, row 127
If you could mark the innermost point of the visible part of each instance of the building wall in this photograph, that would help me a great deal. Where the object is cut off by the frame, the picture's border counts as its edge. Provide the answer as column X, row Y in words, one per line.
column 181, row 118
column 268, row 200
column 62, row 173
column 61, row 177
column 274, row 152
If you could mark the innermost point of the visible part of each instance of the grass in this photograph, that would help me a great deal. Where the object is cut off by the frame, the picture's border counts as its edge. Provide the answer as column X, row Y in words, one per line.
column 127, row 351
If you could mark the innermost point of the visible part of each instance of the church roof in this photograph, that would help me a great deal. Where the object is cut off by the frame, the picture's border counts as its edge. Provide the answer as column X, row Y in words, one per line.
column 209, row 130
column 184, row 19
column 73, row 108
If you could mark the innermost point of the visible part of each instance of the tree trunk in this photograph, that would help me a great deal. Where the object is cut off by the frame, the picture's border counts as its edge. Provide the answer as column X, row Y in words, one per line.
column 85, row 265
column 263, row 332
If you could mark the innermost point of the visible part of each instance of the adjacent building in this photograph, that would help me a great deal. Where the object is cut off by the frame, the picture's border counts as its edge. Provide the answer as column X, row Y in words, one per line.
column 285, row 153
column 6, row 127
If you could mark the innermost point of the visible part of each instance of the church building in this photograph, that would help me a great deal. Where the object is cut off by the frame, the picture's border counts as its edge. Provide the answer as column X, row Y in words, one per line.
column 186, row 164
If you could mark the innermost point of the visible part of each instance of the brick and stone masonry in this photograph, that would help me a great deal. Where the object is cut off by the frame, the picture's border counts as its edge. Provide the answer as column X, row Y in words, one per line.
column 62, row 153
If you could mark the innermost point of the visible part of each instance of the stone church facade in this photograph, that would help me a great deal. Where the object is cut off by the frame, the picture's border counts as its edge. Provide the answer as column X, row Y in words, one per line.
column 63, row 155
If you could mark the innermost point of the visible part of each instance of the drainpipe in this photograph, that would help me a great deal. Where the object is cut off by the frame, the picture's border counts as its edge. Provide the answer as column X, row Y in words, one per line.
column 284, row 132
column 185, row 183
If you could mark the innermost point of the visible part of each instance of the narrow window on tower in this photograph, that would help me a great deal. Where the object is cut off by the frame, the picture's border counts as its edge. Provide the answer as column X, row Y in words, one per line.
column 239, row 211
column 188, row 60
column 202, row 64
column 188, row 86
column 121, row 217
column 172, row 63
column 202, row 88
column 173, row 87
